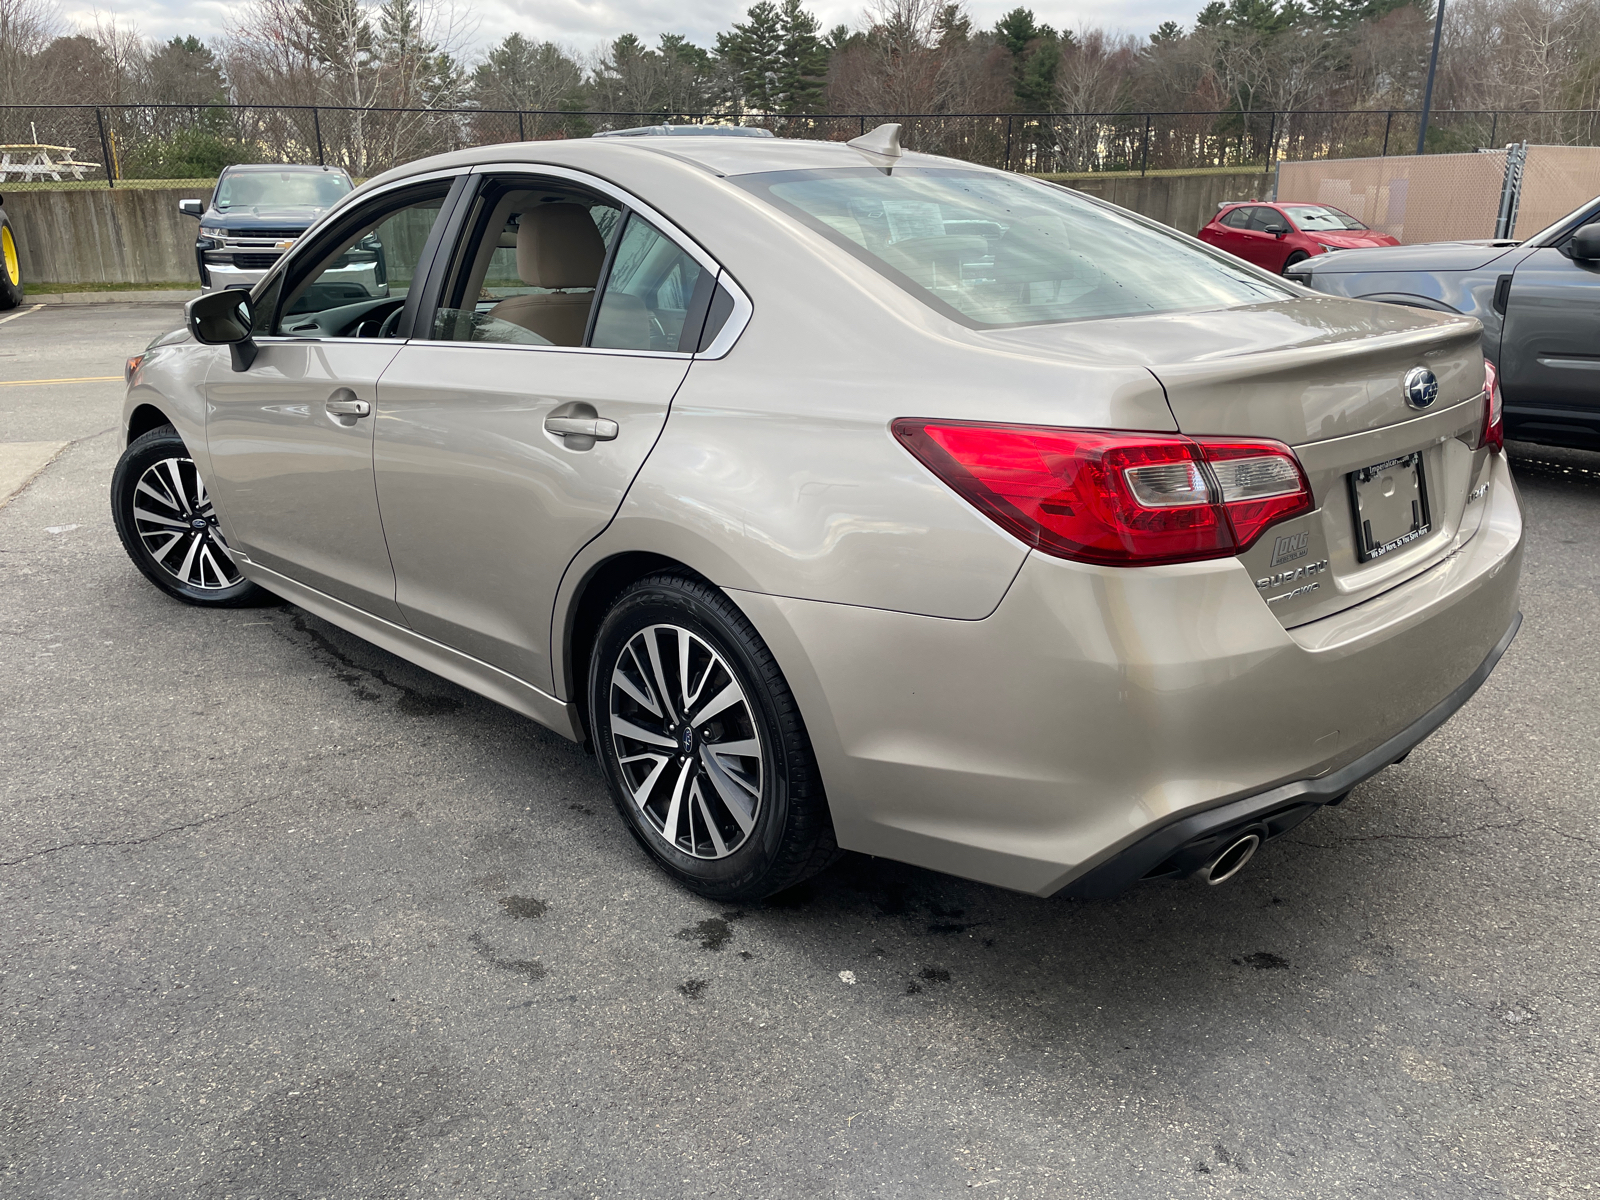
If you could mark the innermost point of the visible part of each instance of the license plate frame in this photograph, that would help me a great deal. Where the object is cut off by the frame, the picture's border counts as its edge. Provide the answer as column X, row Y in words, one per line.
column 1382, row 523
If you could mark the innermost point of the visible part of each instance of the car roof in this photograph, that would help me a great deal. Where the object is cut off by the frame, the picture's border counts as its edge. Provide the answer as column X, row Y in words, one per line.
column 722, row 156
column 306, row 168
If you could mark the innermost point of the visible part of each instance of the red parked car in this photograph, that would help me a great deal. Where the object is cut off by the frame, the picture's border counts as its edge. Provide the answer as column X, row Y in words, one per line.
column 1276, row 236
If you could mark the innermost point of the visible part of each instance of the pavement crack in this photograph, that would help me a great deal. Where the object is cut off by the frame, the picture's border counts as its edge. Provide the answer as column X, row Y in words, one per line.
column 209, row 819
column 1412, row 837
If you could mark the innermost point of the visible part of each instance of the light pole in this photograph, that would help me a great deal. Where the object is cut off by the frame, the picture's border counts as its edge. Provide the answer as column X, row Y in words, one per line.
column 1427, row 91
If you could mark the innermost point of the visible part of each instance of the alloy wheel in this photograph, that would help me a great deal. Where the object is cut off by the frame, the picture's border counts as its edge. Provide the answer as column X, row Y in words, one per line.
column 686, row 741
column 177, row 524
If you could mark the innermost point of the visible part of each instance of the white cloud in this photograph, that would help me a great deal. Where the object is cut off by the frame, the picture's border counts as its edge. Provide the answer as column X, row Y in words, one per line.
column 584, row 25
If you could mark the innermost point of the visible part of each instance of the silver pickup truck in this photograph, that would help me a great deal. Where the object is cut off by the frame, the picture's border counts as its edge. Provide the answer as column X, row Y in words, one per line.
column 1538, row 299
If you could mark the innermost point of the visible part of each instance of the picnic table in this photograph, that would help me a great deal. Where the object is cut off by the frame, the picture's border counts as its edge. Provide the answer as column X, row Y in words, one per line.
column 29, row 160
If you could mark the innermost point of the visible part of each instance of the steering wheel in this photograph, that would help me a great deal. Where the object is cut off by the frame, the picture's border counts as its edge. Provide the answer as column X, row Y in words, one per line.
column 393, row 319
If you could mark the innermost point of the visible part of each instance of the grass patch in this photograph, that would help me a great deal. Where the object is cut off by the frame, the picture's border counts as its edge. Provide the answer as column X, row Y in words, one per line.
column 99, row 185
column 49, row 289
column 1067, row 176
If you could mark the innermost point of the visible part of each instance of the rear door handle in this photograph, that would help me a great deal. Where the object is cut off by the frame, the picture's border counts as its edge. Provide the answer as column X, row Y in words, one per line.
column 347, row 408
column 598, row 428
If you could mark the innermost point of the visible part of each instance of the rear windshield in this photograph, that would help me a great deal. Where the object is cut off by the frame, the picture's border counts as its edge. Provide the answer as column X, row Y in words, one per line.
column 996, row 250
column 1315, row 218
column 286, row 189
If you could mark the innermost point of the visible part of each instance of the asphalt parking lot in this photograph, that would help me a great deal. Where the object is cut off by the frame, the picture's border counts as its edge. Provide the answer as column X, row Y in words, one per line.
column 284, row 916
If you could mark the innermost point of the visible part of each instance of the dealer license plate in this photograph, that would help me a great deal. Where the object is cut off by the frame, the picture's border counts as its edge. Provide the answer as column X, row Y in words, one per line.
column 1390, row 502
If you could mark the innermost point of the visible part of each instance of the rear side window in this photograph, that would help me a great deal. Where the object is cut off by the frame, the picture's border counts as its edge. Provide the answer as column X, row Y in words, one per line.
column 649, row 295
column 990, row 249
column 1236, row 218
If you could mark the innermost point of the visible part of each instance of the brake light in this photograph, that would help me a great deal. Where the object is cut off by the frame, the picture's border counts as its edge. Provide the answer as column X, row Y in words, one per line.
column 1115, row 498
column 1494, row 421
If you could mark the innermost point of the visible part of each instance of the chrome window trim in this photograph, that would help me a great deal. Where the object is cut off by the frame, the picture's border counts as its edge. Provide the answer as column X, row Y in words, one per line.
column 743, row 308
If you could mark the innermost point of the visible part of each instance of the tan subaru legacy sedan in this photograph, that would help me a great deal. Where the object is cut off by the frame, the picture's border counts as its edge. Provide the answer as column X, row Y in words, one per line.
column 841, row 497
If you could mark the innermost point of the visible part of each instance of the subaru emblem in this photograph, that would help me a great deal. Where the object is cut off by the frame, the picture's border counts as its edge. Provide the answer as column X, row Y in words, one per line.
column 1421, row 387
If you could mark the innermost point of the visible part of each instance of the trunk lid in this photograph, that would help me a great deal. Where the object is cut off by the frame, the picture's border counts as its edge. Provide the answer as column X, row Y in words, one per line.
column 1326, row 376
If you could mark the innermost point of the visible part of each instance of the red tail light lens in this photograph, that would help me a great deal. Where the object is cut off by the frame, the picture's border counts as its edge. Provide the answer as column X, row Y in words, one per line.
column 1494, row 422
column 1119, row 499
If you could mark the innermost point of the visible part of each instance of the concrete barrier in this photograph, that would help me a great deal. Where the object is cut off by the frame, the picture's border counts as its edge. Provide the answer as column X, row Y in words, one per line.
column 115, row 235
column 137, row 235
column 1185, row 202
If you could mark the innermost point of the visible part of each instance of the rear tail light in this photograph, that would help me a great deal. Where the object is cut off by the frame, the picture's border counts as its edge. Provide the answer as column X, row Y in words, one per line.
column 1119, row 499
column 1494, row 422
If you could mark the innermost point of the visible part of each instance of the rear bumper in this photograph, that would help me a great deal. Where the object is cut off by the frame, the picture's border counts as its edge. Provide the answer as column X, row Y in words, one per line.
column 1279, row 808
column 1097, row 707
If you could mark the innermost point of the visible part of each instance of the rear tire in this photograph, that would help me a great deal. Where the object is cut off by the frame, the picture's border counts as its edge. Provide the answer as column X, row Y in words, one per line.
column 730, row 802
column 1294, row 260
column 10, row 267
column 168, row 525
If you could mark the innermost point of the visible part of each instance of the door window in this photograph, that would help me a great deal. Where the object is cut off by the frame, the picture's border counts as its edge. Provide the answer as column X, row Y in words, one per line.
column 1260, row 218
column 529, row 266
column 355, row 280
column 650, row 293
column 1236, row 218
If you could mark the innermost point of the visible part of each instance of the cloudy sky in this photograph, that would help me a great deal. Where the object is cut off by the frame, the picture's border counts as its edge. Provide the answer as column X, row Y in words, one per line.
column 585, row 24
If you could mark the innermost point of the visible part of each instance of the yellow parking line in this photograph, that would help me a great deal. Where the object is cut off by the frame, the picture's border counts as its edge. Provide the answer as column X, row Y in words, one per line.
column 84, row 379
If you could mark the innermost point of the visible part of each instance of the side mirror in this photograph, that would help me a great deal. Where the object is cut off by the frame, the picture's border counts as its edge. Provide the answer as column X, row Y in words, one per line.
column 1585, row 244
column 224, row 319
column 1276, row 230
column 192, row 208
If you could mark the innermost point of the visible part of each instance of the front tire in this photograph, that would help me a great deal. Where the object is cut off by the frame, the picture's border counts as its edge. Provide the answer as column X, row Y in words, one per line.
column 168, row 525
column 10, row 267
column 1294, row 260
column 702, row 743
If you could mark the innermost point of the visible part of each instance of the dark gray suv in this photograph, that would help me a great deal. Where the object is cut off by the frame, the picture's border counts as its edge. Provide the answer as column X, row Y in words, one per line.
column 1539, row 301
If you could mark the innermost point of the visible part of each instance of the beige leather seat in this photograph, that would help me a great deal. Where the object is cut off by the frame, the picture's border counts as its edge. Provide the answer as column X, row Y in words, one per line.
column 558, row 246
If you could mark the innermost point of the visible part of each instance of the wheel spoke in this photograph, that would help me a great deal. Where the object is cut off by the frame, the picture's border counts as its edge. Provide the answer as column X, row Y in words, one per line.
column 641, row 794
column 732, row 694
column 706, row 819
column 640, row 734
column 155, row 519
column 172, row 540
column 188, row 559
column 161, row 497
column 670, row 825
column 651, row 644
column 177, row 485
column 735, row 794
column 619, row 679
column 743, row 748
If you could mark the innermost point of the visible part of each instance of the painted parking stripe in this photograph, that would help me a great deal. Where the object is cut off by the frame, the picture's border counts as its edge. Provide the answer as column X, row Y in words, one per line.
column 82, row 379
column 23, row 313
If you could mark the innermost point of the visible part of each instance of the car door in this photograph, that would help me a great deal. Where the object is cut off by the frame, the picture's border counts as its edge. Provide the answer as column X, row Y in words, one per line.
column 1261, row 247
column 1550, row 340
column 291, row 437
column 1228, row 230
column 506, row 437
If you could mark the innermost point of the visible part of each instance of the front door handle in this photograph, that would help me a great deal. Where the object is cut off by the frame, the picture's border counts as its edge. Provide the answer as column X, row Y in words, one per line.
column 598, row 428
column 347, row 408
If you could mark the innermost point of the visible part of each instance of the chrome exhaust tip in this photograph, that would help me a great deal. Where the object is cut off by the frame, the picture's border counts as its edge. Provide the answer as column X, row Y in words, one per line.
column 1231, row 861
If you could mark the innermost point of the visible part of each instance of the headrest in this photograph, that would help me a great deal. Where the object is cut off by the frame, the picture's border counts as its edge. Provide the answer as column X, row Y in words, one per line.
column 558, row 246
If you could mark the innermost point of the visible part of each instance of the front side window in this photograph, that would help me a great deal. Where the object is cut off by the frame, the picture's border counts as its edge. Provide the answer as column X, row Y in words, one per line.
column 355, row 282
column 998, row 250
column 281, row 189
column 1319, row 218
column 1264, row 219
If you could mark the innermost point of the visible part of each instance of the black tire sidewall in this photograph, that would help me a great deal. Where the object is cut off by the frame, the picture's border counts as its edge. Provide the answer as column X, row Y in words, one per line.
column 144, row 450
column 10, row 290
column 684, row 603
column 1295, row 259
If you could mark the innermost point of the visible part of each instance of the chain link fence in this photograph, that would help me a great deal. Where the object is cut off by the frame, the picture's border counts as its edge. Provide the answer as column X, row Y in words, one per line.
column 60, row 146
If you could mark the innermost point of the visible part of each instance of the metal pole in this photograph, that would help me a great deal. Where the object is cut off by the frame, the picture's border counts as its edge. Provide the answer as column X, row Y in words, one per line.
column 316, row 122
column 1387, row 123
column 105, row 149
column 1008, row 143
column 1427, row 92
column 1144, row 157
column 521, row 134
column 1272, row 134
column 1494, row 127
